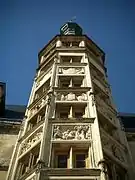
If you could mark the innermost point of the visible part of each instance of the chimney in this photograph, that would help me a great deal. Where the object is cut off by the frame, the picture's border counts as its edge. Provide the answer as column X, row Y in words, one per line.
column 2, row 98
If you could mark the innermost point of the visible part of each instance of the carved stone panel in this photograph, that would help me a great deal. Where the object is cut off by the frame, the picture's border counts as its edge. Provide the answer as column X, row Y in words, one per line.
column 71, row 132
column 39, row 105
column 62, row 96
column 71, row 70
column 31, row 141
column 114, row 149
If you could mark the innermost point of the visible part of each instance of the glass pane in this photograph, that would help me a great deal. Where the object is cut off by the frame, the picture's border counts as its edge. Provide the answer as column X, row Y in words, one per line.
column 64, row 115
column 78, row 114
column 80, row 160
column 62, row 161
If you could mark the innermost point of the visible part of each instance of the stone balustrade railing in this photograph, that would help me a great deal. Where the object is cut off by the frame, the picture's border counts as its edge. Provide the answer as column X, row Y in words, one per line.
column 41, row 103
column 99, row 78
column 105, row 109
column 112, row 147
column 31, row 141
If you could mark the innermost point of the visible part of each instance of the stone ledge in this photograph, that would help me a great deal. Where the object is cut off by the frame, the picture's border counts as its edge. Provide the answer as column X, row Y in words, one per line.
column 72, row 172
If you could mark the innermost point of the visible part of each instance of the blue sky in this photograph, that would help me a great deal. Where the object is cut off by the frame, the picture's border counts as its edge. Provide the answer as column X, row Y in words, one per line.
column 26, row 26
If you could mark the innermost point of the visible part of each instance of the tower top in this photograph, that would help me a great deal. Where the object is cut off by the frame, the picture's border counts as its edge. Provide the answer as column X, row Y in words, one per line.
column 71, row 28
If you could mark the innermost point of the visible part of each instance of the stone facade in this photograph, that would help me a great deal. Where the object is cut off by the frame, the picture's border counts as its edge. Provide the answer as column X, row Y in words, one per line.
column 8, row 137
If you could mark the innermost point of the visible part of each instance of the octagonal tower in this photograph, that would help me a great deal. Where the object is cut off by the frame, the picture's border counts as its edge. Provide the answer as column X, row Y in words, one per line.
column 71, row 130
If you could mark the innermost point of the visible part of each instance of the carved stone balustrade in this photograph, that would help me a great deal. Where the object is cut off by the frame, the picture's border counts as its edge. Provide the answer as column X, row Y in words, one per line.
column 72, row 96
column 71, row 70
column 100, row 82
column 105, row 109
column 31, row 141
column 112, row 147
column 71, row 132
column 41, row 103
column 99, row 78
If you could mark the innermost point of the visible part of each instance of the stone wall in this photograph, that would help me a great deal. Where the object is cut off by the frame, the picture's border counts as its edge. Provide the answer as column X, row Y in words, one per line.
column 8, row 137
column 131, row 142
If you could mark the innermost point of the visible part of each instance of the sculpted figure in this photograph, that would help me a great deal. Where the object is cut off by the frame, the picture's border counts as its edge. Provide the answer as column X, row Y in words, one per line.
column 24, row 147
column 62, row 97
column 82, row 135
column 71, row 135
column 65, row 134
column 77, row 132
column 83, row 97
column 69, row 71
column 88, row 133
column 71, row 96
column 42, row 102
column 57, row 133
column 34, row 139
column 28, row 144
column 79, row 71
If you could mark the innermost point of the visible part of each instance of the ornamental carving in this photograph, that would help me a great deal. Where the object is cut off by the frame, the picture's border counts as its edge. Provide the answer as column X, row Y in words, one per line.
column 104, row 109
column 38, row 106
column 79, row 132
column 117, row 153
column 71, row 97
column 112, row 148
column 96, row 75
column 31, row 141
column 71, row 70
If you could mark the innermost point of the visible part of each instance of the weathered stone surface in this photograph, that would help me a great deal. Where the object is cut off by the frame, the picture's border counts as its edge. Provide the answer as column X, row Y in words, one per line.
column 7, row 142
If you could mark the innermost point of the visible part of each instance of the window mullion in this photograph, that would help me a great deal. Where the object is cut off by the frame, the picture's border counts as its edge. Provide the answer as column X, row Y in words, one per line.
column 71, row 158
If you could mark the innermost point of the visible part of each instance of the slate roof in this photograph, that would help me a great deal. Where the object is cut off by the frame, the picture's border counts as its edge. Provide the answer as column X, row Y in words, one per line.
column 13, row 113
column 128, row 120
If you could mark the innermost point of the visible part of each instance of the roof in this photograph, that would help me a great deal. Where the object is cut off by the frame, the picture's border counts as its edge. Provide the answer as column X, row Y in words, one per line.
column 128, row 120
column 13, row 113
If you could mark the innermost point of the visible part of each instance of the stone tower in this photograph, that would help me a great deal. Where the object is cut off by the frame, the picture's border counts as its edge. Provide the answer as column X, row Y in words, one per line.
column 70, row 129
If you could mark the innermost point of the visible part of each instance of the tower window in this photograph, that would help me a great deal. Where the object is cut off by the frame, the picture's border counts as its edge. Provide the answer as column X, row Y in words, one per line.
column 62, row 161
column 78, row 114
column 80, row 161
column 64, row 115
column 70, row 157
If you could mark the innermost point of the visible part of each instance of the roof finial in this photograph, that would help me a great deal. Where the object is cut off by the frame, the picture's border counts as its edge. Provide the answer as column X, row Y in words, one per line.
column 73, row 19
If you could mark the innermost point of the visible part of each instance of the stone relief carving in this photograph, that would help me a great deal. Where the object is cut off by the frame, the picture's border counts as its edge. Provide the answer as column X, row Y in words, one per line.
column 42, row 102
column 71, row 70
column 49, row 97
column 82, row 132
column 71, row 97
column 96, row 75
column 104, row 109
column 92, row 98
column 31, row 141
column 117, row 153
column 39, row 105
column 112, row 148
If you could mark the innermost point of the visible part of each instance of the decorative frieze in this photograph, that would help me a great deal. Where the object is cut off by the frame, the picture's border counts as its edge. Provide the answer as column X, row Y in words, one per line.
column 71, row 70
column 96, row 75
column 38, row 106
column 112, row 148
column 31, row 141
column 63, row 96
column 71, row 132
column 105, row 109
